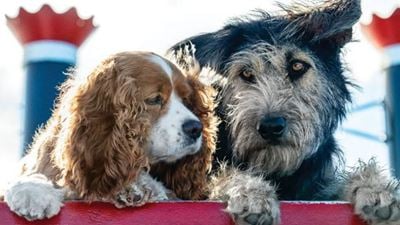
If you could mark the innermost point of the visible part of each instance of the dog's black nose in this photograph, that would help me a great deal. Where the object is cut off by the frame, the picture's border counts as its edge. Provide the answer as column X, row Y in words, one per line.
column 272, row 127
column 192, row 128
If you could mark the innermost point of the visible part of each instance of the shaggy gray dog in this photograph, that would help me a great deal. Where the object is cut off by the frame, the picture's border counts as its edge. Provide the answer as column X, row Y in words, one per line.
column 282, row 94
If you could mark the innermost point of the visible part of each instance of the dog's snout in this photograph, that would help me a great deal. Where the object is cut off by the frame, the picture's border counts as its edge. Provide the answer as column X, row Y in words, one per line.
column 272, row 127
column 192, row 128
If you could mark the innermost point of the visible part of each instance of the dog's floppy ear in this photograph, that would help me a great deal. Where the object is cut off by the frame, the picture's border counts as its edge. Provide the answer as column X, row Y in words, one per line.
column 101, row 140
column 330, row 23
column 210, row 49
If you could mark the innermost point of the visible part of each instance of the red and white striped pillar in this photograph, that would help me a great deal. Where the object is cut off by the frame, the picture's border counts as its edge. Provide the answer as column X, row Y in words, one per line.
column 50, row 41
column 385, row 35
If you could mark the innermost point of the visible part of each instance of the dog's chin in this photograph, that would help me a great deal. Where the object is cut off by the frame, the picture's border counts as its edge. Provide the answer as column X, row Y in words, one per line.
column 271, row 162
column 279, row 157
column 183, row 150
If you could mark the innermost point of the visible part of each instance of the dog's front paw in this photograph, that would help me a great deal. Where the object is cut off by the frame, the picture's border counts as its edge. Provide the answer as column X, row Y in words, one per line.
column 34, row 199
column 254, row 202
column 254, row 209
column 144, row 190
column 378, row 206
column 251, row 199
column 375, row 196
column 135, row 195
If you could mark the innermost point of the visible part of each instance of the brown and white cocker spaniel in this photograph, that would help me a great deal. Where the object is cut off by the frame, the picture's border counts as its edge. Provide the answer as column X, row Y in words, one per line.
column 135, row 130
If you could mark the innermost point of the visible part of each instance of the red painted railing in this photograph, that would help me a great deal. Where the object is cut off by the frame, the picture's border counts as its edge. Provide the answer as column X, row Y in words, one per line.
column 184, row 213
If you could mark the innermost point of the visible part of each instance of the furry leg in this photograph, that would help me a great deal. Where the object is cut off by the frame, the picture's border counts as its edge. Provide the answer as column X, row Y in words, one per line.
column 251, row 200
column 145, row 189
column 34, row 197
column 375, row 196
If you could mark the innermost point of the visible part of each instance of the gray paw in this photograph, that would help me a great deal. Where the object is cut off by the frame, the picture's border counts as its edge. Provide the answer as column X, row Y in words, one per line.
column 378, row 206
column 252, row 209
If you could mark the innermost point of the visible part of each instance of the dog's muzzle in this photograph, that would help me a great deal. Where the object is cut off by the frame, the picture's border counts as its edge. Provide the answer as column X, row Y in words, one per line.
column 192, row 129
column 271, row 128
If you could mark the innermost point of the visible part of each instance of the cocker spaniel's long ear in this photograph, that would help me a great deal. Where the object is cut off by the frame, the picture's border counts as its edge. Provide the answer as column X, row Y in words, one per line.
column 188, row 177
column 100, row 145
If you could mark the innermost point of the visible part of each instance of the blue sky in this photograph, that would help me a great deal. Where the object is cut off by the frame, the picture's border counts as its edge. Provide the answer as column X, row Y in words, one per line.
column 154, row 25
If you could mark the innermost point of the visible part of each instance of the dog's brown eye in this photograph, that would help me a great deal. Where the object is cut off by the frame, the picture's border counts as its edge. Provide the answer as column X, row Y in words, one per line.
column 247, row 76
column 297, row 68
column 157, row 100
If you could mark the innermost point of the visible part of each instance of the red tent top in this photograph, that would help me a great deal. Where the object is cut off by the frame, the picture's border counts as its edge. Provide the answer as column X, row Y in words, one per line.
column 46, row 24
column 384, row 31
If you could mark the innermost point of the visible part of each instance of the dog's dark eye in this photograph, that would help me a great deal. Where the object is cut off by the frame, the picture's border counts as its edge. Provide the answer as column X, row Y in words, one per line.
column 297, row 68
column 247, row 76
column 157, row 100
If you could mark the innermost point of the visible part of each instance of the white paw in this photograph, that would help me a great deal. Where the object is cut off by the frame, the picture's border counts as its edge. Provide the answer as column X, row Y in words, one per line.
column 378, row 206
column 254, row 205
column 34, row 199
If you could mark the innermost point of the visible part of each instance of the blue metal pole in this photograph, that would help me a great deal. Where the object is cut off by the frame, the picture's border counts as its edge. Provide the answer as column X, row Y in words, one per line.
column 42, row 80
column 392, row 105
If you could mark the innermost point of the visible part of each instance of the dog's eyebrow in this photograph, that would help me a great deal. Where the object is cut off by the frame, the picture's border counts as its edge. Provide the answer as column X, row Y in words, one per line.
column 289, row 55
column 300, row 55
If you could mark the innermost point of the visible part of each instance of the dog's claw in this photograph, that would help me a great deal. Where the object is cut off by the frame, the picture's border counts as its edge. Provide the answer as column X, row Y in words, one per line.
column 367, row 209
column 252, row 218
column 383, row 213
column 256, row 219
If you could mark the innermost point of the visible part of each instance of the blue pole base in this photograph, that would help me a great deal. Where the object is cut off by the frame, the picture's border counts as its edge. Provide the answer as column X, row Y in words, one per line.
column 42, row 82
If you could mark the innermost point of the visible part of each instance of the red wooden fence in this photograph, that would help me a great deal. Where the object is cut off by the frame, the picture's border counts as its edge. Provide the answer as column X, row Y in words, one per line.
column 184, row 213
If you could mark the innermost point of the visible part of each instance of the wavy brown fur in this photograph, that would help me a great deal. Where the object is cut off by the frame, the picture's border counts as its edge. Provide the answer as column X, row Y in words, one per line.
column 93, row 144
column 104, row 133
